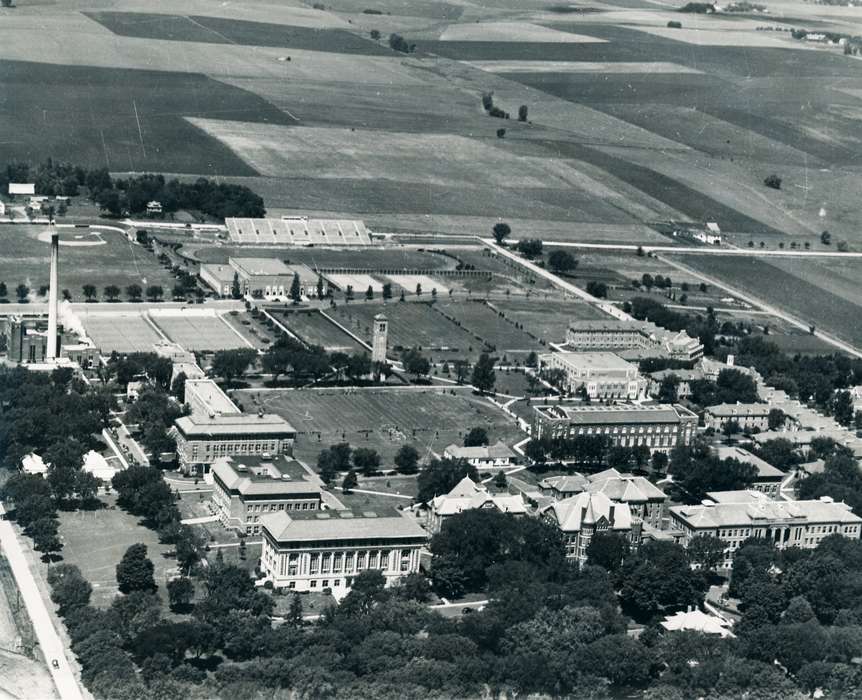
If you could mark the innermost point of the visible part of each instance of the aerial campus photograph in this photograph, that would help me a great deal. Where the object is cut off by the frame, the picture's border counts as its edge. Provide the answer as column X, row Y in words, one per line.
column 407, row 349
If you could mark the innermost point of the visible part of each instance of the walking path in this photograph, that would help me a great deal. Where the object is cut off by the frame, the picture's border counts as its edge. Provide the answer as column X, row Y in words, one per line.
column 698, row 250
column 49, row 640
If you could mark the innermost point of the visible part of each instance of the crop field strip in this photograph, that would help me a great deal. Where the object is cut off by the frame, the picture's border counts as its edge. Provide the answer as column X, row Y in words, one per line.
column 808, row 302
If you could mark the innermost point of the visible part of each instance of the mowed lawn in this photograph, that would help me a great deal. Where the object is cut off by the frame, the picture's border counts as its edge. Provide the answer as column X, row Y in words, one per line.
column 545, row 318
column 382, row 419
column 95, row 542
column 809, row 302
column 26, row 259
column 485, row 322
column 314, row 328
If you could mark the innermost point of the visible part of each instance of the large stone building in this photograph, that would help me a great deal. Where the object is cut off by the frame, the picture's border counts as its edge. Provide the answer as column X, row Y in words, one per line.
column 749, row 416
column 468, row 495
column 633, row 335
column 216, row 428
column 734, row 516
column 645, row 500
column 581, row 517
column 659, row 427
column 603, row 375
column 247, row 488
column 315, row 551
column 265, row 278
column 26, row 340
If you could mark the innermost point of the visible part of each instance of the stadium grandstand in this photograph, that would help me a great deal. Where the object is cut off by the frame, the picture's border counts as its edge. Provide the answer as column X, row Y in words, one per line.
column 299, row 231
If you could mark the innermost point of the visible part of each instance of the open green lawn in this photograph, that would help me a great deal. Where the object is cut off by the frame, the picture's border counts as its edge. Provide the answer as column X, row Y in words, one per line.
column 24, row 258
column 429, row 419
column 483, row 321
column 95, row 541
column 316, row 329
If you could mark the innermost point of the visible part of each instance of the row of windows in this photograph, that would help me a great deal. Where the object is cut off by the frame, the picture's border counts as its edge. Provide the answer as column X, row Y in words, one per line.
column 337, row 562
column 269, row 507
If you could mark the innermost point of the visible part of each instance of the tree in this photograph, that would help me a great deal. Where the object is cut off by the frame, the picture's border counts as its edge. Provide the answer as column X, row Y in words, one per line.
column 522, row 113
column 597, row 289
column 295, row 289
column 842, row 408
column 415, row 363
column 22, row 291
column 501, row 133
column 181, row 590
column 155, row 292
column 332, row 460
column 608, row 550
column 826, row 238
column 501, row 231
column 773, row 181
column 294, row 614
column 178, row 387
column 399, row 43
column 775, row 419
column 730, row 428
column 387, row 290
column 561, row 261
column 375, row 34
column 483, row 374
column 133, row 292
column 476, row 437
column 668, row 390
column 235, row 289
column 647, row 281
column 4, row 292
column 369, row 293
column 45, row 536
column 69, row 589
column 350, row 482
column 441, row 475
column 530, row 247
column 232, row 363
column 500, row 480
column 407, row 460
column 112, row 292
column 366, row 460
column 89, row 291
column 135, row 570
column 706, row 551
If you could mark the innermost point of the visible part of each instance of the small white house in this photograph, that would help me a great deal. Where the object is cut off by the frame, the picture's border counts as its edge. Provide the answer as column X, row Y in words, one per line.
column 33, row 464
column 154, row 208
column 482, row 456
column 98, row 466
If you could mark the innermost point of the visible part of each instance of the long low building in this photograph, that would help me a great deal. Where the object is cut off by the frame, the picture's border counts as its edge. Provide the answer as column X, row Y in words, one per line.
column 612, row 334
column 311, row 552
column 245, row 489
column 734, row 516
column 603, row 375
column 660, row 427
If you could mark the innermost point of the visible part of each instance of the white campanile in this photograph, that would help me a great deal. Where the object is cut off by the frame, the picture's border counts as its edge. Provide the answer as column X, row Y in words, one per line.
column 53, row 293
column 379, row 345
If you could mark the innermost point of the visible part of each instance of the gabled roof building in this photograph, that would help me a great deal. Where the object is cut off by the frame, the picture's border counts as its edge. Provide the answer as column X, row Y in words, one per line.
column 468, row 495
column 482, row 456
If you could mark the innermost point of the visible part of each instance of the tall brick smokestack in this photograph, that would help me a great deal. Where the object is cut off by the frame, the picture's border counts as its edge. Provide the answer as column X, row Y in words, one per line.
column 53, row 294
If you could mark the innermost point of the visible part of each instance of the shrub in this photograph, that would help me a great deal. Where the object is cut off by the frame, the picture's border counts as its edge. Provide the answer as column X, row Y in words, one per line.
column 674, row 25
column 773, row 181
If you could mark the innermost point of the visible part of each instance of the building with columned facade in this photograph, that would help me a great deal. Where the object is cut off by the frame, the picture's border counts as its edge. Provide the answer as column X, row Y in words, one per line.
column 315, row 551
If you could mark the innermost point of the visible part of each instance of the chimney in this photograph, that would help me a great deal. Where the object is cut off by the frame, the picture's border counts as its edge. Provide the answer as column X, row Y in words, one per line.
column 611, row 513
column 52, row 294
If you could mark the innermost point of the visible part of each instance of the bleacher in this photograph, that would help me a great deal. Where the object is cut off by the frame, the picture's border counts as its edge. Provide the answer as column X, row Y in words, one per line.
column 298, row 231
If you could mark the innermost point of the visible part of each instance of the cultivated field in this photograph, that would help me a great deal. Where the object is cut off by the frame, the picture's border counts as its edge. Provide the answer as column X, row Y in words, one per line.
column 813, row 301
column 24, row 258
column 382, row 419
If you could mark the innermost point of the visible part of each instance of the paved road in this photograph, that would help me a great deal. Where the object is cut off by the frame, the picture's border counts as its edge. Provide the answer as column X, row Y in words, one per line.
column 707, row 250
column 49, row 640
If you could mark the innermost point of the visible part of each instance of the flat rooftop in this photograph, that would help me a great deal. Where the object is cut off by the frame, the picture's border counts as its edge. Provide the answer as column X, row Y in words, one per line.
column 207, row 391
column 594, row 360
column 260, row 266
column 236, row 424
column 340, row 525
column 619, row 413
column 263, row 476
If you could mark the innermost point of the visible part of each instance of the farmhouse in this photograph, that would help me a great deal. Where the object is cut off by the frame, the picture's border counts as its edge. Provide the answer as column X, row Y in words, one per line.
column 482, row 456
column 601, row 374
column 298, row 231
column 468, row 495
column 245, row 489
column 768, row 478
column 319, row 550
column 579, row 518
column 735, row 516
column 645, row 500
column 644, row 336
column 659, row 427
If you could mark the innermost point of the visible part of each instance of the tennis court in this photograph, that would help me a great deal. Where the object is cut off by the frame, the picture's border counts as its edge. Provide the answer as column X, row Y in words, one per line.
column 359, row 282
column 411, row 282
column 198, row 331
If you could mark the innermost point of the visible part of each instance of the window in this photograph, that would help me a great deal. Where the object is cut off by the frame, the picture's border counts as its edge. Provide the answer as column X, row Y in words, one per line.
column 313, row 584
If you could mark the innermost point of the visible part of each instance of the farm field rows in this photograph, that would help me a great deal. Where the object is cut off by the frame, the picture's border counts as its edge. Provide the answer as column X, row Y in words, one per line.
column 810, row 302
column 428, row 419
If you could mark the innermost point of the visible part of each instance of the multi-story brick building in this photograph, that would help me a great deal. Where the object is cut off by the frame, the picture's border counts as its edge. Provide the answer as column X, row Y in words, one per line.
column 602, row 374
column 581, row 517
column 632, row 335
column 314, row 551
column 659, row 427
column 734, row 516
column 247, row 488
column 768, row 479
column 749, row 416
column 645, row 500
